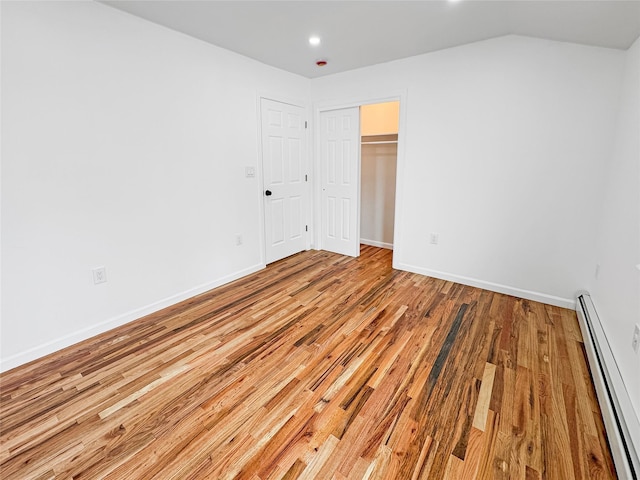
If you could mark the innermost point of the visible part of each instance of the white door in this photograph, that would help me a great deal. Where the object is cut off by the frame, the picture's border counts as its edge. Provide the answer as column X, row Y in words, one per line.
column 283, row 167
column 340, row 180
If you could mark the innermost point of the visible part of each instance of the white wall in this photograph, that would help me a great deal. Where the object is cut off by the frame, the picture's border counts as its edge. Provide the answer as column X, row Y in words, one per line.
column 504, row 142
column 377, row 193
column 123, row 145
column 616, row 290
column 379, row 118
column 378, row 174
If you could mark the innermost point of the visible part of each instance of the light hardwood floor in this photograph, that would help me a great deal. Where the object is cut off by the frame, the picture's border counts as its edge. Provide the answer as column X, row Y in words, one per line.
column 319, row 367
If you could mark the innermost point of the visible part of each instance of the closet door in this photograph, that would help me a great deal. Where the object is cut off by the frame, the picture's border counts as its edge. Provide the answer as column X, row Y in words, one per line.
column 340, row 180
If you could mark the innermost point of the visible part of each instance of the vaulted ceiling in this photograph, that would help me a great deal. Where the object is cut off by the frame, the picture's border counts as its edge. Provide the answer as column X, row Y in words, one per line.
column 360, row 33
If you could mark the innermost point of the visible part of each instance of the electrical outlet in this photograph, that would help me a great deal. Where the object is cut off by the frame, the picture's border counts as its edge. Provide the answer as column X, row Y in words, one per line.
column 635, row 343
column 433, row 238
column 99, row 275
column 238, row 240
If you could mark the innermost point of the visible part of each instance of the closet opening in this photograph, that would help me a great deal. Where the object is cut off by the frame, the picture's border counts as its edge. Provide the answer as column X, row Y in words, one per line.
column 379, row 124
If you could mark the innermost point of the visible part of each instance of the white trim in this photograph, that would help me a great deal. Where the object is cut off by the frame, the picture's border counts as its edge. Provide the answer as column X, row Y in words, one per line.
column 260, row 177
column 102, row 327
column 375, row 243
column 494, row 287
column 389, row 96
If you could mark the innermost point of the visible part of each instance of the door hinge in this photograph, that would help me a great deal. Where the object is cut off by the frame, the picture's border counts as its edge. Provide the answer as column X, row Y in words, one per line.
column 305, row 124
column 306, row 228
column 305, row 178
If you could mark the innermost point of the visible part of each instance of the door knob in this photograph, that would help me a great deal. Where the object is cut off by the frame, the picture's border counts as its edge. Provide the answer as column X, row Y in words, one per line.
column 268, row 193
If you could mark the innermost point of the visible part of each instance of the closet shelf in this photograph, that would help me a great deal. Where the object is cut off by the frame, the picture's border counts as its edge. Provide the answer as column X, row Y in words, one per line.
column 379, row 139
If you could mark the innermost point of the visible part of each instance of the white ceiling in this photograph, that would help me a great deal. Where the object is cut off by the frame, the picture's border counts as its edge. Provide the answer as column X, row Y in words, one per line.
column 359, row 33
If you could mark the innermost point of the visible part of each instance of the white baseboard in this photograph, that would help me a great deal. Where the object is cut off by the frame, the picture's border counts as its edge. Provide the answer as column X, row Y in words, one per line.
column 494, row 287
column 93, row 330
column 375, row 243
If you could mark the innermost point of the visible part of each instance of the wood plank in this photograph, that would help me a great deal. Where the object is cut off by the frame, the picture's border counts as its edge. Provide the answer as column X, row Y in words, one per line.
column 319, row 366
column 482, row 407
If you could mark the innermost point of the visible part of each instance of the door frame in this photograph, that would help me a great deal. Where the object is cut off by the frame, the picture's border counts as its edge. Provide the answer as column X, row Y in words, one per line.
column 260, row 172
column 349, row 102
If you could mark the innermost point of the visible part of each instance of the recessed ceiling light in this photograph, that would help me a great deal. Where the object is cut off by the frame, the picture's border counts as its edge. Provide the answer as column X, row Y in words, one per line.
column 314, row 40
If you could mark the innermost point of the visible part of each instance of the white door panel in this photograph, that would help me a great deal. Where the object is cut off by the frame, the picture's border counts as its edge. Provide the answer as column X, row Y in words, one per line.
column 339, row 167
column 283, row 164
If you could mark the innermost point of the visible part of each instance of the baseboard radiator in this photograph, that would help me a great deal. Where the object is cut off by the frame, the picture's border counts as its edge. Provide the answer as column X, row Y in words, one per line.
column 621, row 422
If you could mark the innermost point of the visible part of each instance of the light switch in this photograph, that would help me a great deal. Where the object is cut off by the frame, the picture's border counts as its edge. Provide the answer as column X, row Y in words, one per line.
column 249, row 172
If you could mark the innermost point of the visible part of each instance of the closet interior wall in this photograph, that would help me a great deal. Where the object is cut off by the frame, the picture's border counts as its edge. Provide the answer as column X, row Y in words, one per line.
column 379, row 150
